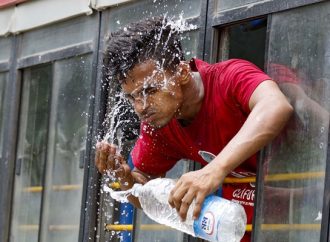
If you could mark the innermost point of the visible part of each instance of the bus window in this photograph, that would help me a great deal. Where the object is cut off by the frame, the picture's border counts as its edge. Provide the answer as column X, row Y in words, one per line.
column 244, row 41
column 291, row 189
column 51, row 149
column 31, row 153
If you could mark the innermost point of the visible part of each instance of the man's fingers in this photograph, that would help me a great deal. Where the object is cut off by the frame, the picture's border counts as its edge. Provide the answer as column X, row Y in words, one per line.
column 198, row 204
column 102, row 150
column 123, row 171
column 185, row 204
column 171, row 197
column 176, row 195
column 138, row 177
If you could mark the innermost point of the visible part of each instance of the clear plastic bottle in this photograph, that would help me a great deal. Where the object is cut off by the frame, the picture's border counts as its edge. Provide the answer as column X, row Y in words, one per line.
column 220, row 220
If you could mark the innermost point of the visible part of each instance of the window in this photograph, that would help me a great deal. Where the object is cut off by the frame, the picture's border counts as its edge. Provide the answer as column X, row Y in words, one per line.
column 246, row 40
column 31, row 153
column 293, row 174
column 52, row 139
column 114, row 214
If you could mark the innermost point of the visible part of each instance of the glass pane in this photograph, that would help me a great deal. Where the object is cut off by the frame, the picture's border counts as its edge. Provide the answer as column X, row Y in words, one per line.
column 228, row 4
column 246, row 41
column 131, row 12
column 31, row 153
column 66, row 146
column 59, row 35
column 3, row 82
column 5, row 47
column 292, row 192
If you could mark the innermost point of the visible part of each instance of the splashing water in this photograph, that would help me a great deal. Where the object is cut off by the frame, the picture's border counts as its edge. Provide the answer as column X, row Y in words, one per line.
column 119, row 196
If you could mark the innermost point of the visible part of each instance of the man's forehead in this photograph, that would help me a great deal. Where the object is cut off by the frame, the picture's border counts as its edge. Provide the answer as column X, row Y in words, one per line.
column 145, row 69
column 143, row 73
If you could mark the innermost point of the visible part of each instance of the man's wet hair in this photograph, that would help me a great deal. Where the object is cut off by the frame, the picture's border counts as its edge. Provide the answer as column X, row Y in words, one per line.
column 154, row 38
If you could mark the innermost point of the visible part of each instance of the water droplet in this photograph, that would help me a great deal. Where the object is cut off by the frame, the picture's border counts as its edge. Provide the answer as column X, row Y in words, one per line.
column 321, row 145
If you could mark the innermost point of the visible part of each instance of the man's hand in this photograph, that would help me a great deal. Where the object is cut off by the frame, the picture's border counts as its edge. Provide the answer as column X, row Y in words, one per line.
column 108, row 160
column 193, row 185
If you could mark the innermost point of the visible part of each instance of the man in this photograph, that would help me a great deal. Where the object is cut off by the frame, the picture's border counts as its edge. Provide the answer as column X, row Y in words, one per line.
column 231, row 109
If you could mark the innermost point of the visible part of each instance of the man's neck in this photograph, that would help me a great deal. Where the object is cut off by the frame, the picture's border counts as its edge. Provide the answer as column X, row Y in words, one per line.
column 193, row 94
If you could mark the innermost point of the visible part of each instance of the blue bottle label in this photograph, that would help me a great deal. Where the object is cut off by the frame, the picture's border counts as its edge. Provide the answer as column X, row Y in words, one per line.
column 206, row 225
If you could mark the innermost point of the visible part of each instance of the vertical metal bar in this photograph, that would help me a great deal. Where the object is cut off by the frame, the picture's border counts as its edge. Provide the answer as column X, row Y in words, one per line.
column 18, row 165
column 258, row 203
column 209, row 31
column 82, row 155
column 325, row 223
column 91, row 186
column 7, row 172
column 202, row 29
column 47, row 169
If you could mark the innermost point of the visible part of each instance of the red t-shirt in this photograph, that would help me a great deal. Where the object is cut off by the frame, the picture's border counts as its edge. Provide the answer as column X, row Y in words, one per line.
column 228, row 87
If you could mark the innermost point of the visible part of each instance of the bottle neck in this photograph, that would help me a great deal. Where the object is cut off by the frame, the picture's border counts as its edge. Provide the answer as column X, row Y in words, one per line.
column 136, row 189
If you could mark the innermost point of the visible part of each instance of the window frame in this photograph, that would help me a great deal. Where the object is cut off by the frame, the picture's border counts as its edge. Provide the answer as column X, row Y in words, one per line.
column 201, row 22
column 15, row 66
column 216, row 22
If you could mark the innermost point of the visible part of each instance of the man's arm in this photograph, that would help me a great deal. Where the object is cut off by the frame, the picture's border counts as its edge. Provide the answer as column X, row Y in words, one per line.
column 270, row 110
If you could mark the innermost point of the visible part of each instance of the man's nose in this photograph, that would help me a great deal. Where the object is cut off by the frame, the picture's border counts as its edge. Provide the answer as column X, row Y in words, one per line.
column 141, row 107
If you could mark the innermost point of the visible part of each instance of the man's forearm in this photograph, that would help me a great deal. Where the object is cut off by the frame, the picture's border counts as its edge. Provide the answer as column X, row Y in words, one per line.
column 263, row 124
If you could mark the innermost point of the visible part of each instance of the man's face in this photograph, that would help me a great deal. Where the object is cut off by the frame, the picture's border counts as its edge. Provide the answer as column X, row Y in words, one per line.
column 155, row 94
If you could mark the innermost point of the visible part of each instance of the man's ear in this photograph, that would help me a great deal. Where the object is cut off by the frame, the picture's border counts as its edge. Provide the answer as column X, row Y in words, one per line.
column 184, row 72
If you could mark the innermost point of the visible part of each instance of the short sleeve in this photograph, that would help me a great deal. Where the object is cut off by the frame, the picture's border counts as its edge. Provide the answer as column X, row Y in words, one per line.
column 151, row 153
column 242, row 78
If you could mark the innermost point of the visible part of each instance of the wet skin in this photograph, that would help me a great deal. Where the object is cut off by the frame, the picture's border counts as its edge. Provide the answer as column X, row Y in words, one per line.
column 155, row 94
column 158, row 96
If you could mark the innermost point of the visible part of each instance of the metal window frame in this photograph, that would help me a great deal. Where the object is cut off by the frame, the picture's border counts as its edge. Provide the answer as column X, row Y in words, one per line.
column 100, row 112
column 256, row 9
column 4, row 66
column 91, row 186
column 7, row 172
column 215, row 22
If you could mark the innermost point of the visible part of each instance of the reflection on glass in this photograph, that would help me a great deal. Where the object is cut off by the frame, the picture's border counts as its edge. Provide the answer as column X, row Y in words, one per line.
column 159, row 233
column 66, row 146
column 229, row 4
column 31, row 153
column 3, row 81
column 292, row 195
column 135, row 11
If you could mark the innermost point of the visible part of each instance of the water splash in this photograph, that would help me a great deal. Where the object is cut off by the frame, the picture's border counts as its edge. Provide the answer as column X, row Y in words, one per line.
column 119, row 196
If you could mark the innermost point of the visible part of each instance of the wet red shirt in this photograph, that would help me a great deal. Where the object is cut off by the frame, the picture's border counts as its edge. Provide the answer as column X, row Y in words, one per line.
column 228, row 87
